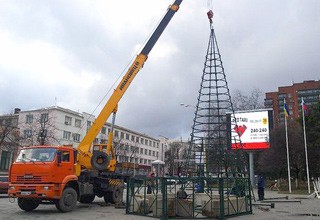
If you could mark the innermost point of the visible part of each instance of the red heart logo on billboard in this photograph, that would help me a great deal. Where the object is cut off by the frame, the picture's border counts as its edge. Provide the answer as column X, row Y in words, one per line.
column 240, row 129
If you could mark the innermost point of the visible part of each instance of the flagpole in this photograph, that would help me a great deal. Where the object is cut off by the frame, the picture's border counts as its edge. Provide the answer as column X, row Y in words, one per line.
column 287, row 145
column 305, row 145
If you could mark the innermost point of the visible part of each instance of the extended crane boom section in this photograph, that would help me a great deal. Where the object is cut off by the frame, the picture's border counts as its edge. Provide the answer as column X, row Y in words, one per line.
column 85, row 155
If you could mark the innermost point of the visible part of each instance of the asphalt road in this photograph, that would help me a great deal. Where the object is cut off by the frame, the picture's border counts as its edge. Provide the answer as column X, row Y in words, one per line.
column 295, row 207
column 10, row 210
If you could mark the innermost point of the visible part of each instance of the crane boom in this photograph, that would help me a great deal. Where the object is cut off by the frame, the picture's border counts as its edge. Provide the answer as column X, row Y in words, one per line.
column 111, row 105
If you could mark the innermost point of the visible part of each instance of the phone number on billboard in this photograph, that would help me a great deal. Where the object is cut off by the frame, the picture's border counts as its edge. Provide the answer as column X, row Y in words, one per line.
column 258, row 130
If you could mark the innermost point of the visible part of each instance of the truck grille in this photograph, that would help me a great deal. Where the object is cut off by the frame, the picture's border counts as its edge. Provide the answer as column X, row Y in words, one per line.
column 28, row 179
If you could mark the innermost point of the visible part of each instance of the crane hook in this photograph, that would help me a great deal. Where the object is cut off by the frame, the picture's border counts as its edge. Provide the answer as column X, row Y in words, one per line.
column 210, row 15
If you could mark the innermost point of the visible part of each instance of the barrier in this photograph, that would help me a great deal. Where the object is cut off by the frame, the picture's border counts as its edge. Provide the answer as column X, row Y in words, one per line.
column 221, row 197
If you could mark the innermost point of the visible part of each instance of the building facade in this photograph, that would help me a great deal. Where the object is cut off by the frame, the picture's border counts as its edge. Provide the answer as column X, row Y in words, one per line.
column 308, row 90
column 60, row 126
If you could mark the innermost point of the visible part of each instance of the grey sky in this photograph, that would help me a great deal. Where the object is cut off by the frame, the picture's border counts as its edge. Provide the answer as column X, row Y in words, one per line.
column 73, row 51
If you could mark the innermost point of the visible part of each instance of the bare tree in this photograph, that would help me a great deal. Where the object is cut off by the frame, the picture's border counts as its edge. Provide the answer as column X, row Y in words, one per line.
column 39, row 130
column 273, row 160
column 174, row 156
column 9, row 139
column 242, row 101
column 9, row 133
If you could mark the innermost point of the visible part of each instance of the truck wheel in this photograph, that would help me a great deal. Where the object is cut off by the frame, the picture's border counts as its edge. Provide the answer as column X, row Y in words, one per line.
column 100, row 160
column 87, row 199
column 114, row 197
column 68, row 200
column 28, row 204
column 117, row 194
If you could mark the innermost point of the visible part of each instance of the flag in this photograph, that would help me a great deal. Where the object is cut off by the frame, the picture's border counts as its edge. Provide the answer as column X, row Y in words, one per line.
column 285, row 109
column 304, row 107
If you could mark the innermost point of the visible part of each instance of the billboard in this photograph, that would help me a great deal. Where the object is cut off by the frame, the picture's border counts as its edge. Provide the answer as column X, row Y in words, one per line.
column 253, row 129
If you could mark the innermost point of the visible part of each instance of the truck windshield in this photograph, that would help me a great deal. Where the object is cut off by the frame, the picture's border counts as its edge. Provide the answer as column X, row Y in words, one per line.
column 36, row 154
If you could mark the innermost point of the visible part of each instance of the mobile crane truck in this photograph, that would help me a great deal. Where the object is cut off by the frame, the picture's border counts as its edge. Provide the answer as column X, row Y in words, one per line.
column 62, row 175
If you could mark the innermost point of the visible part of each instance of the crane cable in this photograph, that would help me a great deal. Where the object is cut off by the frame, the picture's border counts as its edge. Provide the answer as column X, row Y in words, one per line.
column 210, row 4
column 120, row 75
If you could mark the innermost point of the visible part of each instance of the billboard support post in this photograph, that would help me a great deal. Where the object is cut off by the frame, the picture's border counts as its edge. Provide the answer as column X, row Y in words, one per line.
column 251, row 168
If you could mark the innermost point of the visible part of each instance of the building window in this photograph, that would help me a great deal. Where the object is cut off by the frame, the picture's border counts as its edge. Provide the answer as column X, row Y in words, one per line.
column 44, row 118
column 146, row 142
column 76, row 137
column 66, row 135
column 145, row 151
column 104, row 130
column 149, row 152
column 132, row 137
column 141, row 150
column 103, row 141
column 67, row 120
column 116, row 133
column 27, row 133
column 88, row 124
column 77, row 123
column 29, row 119
column 137, row 139
column 122, row 135
column 127, row 136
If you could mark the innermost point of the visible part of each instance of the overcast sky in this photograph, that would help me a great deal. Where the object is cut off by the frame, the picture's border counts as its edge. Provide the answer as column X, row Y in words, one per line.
column 72, row 52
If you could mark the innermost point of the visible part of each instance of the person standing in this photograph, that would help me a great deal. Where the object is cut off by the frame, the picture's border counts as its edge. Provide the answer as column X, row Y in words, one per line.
column 261, row 186
column 150, row 182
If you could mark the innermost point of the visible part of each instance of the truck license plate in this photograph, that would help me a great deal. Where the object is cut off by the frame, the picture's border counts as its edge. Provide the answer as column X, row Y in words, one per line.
column 26, row 193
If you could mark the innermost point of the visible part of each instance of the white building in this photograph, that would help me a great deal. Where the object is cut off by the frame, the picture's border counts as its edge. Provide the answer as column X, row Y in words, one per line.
column 60, row 126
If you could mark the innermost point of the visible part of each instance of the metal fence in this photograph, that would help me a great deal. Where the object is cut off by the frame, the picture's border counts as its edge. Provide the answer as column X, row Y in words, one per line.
column 189, row 198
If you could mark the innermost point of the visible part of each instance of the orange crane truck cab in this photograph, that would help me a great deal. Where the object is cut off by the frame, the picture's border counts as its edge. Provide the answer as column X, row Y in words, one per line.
column 62, row 175
column 44, row 173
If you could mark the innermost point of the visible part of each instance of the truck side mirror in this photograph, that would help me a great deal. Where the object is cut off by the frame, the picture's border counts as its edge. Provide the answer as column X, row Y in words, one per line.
column 59, row 154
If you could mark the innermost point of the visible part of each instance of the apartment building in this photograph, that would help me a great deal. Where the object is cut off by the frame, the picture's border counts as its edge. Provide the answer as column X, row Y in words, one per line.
column 60, row 126
column 308, row 90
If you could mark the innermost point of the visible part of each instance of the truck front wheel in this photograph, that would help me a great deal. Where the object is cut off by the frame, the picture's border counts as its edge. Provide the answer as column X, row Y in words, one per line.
column 68, row 200
column 28, row 204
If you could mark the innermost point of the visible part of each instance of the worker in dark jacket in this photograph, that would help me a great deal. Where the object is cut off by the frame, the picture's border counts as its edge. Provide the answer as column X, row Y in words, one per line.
column 261, row 185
